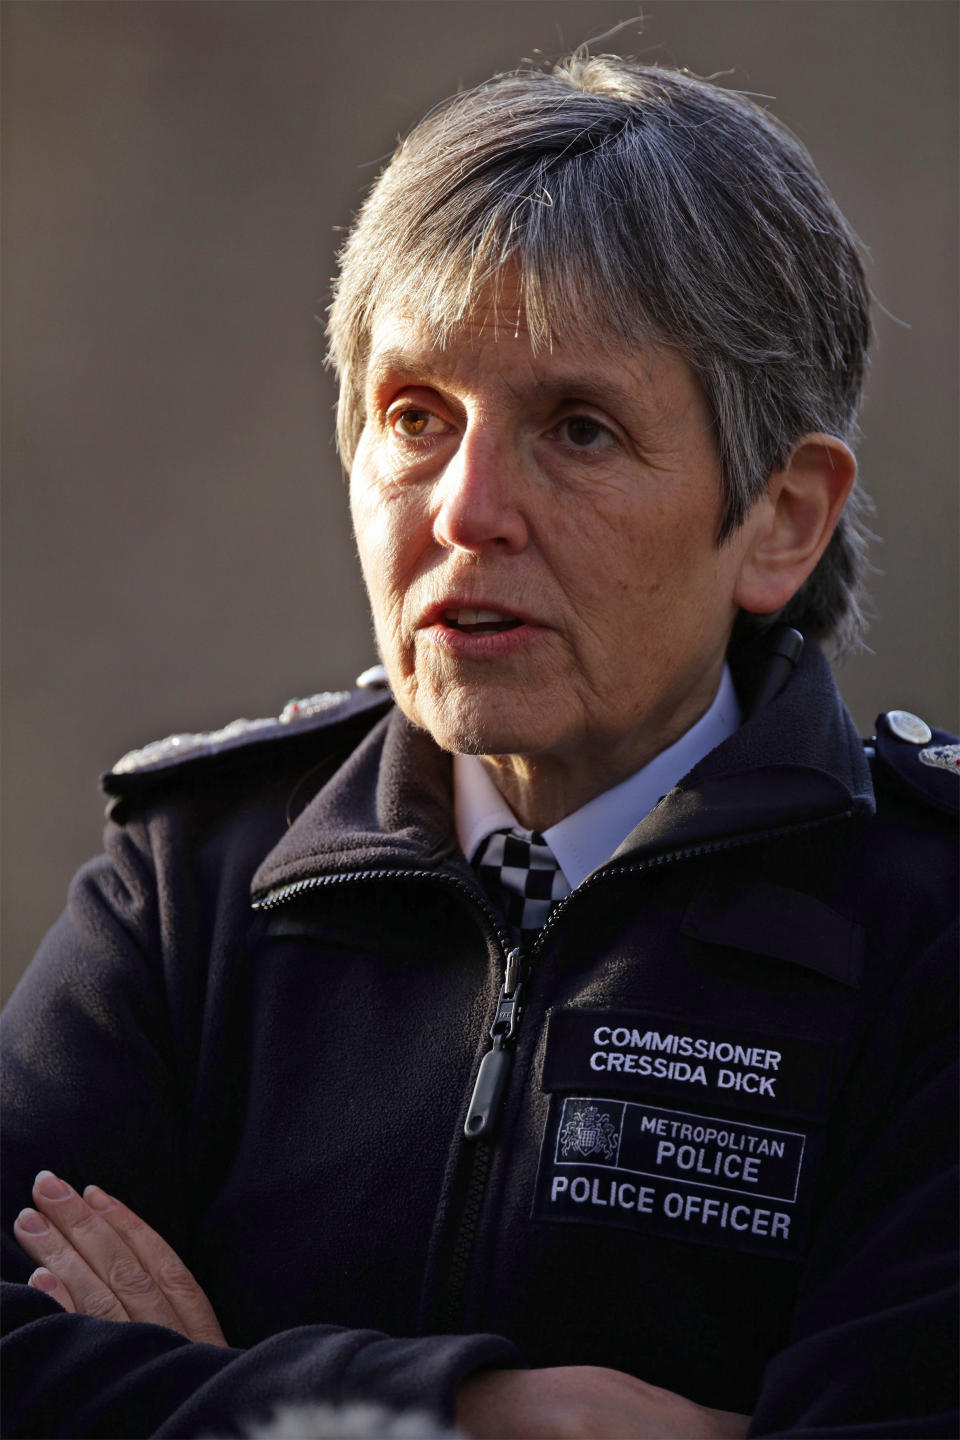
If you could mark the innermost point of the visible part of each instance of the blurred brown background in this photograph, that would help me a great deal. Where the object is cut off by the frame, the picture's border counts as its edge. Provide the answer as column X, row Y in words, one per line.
column 176, row 541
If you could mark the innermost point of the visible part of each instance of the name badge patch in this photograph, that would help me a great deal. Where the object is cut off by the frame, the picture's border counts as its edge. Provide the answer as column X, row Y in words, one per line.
column 693, row 1062
column 719, row 1181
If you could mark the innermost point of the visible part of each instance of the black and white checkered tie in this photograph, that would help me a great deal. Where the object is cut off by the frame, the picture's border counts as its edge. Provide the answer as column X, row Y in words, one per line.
column 522, row 876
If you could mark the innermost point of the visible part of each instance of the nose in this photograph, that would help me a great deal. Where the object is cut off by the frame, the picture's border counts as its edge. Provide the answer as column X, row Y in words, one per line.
column 478, row 497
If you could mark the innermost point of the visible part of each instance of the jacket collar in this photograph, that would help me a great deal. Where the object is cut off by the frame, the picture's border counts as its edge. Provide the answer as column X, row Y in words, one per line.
column 390, row 806
column 796, row 762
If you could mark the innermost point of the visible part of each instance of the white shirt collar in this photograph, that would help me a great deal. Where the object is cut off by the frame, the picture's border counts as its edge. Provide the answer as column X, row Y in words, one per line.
column 587, row 838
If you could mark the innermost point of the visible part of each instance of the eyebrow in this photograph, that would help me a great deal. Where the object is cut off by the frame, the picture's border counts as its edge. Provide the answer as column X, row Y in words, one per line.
column 578, row 385
column 401, row 365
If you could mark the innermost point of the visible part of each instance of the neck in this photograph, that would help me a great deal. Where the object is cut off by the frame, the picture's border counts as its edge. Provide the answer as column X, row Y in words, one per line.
column 543, row 789
column 539, row 792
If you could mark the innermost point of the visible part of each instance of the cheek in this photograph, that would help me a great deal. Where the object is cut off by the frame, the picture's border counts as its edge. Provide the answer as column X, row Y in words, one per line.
column 388, row 529
column 383, row 531
column 671, row 540
column 661, row 583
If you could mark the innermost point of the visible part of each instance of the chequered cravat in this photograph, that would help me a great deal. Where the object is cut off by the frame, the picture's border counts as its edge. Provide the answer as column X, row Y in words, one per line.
column 521, row 875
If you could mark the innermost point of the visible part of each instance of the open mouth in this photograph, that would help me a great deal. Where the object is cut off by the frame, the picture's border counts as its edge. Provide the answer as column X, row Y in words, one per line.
column 480, row 622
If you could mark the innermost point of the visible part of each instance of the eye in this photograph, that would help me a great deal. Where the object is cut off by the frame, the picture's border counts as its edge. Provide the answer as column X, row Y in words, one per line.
column 585, row 433
column 411, row 423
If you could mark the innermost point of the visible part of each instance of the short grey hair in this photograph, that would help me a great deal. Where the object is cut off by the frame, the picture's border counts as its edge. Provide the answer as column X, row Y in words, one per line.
column 643, row 203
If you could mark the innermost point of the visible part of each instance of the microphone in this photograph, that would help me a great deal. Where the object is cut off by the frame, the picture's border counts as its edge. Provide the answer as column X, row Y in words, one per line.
column 785, row 651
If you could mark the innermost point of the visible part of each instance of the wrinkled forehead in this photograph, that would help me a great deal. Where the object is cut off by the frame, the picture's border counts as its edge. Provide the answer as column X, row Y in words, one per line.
column 507, row 308
column 405, row 344
column 550, row 298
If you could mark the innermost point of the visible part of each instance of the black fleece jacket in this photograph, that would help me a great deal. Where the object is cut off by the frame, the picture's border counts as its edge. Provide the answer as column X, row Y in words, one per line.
column 720, row 1160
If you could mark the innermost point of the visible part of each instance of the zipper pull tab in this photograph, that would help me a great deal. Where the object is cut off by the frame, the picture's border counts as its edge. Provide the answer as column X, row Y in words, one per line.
column 495, row 1066
column 487, row 1094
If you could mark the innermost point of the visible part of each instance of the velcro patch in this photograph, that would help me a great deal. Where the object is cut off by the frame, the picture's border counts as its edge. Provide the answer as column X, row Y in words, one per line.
column 712, row 1180
column 697, row 1063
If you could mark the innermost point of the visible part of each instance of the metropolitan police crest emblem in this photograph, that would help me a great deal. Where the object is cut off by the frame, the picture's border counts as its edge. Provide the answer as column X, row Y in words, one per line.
column 590, row 1131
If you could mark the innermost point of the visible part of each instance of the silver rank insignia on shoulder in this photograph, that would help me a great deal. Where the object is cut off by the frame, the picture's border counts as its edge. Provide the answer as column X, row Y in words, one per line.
column 311, row 705
column 942, row 757
column 185, row 744
column 206, row 741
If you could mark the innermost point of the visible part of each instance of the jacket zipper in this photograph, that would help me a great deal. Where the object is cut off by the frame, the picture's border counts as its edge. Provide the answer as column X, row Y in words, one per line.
column 494, row 1072
column 284, row 893
column 492, row 1078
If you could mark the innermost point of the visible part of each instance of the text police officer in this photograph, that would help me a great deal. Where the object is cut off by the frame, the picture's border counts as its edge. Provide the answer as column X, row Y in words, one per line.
column 557, row 1037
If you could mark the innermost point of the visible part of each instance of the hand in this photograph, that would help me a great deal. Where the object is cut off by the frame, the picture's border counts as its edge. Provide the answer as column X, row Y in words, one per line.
column 584, row 1402
column 99, row 1258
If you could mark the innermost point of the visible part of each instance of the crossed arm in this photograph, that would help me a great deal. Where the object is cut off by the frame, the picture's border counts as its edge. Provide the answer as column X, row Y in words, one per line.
column 96, row 1257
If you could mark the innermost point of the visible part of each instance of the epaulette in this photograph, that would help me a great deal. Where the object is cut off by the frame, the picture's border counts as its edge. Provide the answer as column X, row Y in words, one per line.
column 299, row 717
column 925, row 761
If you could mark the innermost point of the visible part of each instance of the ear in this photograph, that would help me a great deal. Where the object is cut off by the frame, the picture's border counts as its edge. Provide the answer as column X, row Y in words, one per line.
column 789, row 528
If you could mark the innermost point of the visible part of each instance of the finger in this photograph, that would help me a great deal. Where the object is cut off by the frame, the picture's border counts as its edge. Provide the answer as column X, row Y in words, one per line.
column 115, row 1265
column 182, row 1291
column 48, row 1284
column 45, row 1244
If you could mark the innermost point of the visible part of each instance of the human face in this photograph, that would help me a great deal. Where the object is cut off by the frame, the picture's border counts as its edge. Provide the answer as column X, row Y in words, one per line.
column 538, row 538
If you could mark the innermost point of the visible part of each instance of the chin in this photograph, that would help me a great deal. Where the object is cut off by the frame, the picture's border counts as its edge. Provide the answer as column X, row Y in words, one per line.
column 471, row 724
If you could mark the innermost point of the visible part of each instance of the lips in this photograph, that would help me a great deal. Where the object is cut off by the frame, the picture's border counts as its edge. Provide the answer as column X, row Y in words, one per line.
column 480, row 628
column 473, row 614
column 472, row 621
